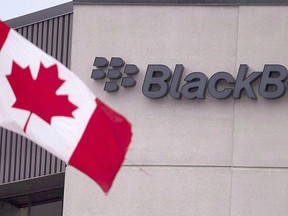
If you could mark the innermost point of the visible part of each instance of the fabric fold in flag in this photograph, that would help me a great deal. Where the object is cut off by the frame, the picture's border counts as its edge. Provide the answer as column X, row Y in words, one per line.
column 104, row 160
column 44, row 101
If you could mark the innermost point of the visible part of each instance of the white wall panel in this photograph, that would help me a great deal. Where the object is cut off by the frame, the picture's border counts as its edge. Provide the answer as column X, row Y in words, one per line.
column 260, row 137
column 166, row 131
column 259, row 192
column 209, row 157
column 151, row 191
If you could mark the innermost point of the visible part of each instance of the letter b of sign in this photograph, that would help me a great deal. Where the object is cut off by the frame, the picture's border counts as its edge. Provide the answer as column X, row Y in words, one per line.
column 156, row 81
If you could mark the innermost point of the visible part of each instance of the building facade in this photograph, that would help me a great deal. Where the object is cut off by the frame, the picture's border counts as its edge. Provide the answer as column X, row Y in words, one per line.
column 220, row 152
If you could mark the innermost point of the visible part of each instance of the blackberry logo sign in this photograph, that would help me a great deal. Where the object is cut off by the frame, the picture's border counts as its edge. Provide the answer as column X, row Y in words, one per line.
column 114, row 73
column 159, row 81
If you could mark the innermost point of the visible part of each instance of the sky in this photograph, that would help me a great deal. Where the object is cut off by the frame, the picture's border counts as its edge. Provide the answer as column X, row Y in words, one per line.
column 14, row 8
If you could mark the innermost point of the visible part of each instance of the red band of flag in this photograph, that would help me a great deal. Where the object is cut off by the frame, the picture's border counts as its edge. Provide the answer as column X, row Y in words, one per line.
column 102, row 148
column 4, row 30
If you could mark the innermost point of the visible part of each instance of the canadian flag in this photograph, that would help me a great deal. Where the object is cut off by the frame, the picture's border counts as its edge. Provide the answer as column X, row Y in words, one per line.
column 45, row 102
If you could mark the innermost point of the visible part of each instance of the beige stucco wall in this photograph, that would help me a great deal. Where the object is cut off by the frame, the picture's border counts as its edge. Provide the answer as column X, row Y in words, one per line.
column 200, row 157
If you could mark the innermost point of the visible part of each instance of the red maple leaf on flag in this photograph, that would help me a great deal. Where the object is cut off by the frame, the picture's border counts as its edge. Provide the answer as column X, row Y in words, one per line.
column 39, row 96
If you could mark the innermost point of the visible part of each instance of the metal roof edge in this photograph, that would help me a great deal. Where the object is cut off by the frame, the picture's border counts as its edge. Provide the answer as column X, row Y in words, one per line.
column 32, row 185
column 185, row 2
column 41, row 15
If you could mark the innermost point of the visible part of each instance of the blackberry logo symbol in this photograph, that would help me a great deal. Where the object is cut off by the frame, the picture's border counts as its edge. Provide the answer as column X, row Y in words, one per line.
column 114, row 73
